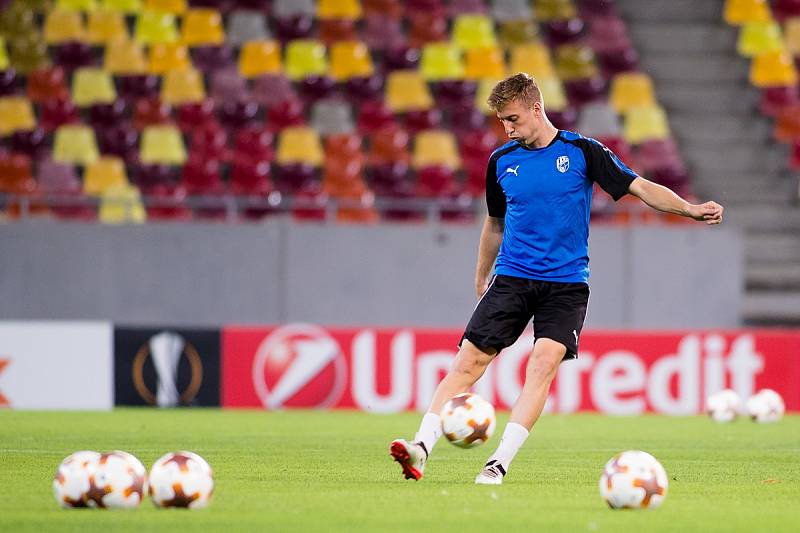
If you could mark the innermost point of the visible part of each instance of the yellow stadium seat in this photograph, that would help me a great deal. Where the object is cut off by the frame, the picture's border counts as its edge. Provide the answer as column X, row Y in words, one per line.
column 154, row 27
column 484, row 63
column 791, row 35
column 104, row 173
column 406, row 90
column 773, row 69
column 759, row 37
column 644, row 124
column 169, row 56
column 305, row 57
column 350, row 59
column 441, row 61
column 202, row 27
column 121, row 204
column 516, row 32
column 92, row 86
column 553, row 94
column 105, row 25
column 27, row 54
column 76, row 5
column 485, row 87
column 299, row 144
column 64, row 25
column 737, row 12
column 176, row 7
column 474, row 31
column 260, row 57
column 631, row 89
column 554, row 10
column 16, row 113
column 339, row 9
column 575, row 62
column 75, row 144
column 162, row 144
column 124, row 57
column 435, row 147
column 533, row 58
column 124, row 6
column 182, row 87
column 3, row 54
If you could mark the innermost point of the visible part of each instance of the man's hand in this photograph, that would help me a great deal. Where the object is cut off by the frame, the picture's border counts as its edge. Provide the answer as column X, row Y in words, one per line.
column 709, row 212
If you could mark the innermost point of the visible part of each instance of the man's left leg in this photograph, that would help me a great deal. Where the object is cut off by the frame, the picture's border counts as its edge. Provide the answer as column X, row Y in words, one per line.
column 539, row 373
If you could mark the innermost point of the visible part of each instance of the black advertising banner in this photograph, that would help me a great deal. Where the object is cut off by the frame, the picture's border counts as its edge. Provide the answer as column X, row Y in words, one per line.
column 166, row 367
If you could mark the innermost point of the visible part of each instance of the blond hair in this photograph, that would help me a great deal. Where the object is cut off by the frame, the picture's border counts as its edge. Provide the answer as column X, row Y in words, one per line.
column 521, row 87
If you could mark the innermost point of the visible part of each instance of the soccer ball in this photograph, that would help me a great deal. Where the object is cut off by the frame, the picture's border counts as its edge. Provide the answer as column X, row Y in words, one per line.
column 467, row 420
column 766, row 406
column 117, row 482
column 633, row 480
column 723, row 406
column 181, row 479
column 71, row 482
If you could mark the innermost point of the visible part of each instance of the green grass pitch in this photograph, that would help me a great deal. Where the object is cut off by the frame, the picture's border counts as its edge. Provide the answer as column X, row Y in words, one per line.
column 330, row 471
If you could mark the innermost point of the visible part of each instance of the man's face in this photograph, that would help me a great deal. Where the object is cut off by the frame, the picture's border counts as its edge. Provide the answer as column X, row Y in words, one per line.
column 520, row 121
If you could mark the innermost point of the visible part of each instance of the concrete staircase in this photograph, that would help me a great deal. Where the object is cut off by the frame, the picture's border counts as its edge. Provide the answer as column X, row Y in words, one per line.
column 691, row 54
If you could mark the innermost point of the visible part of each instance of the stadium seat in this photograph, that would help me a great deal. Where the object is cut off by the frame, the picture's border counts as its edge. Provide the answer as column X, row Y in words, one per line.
column 155, row 27
column 581, row 91
column 464, row 7
column 383, row 33
column 373, row 116
column 511, row 10
column 16, row 113
column 645, row 123
column 631, row 89
column 435, row 148
column 608, row 34
column 196, row 115
column 775, row 99
column 167, row 201
column 120, row 141
column 73, row 55
column 255, row 142
column 759, row 37
column 228, row 85
column 465, row 119
column 484, row 63
column 105, row 25
column 176, row 7
column 237, row 114
column 285, row 113
column 305, row 57
column 271, row 89
column 785, row 9
column 344, row 146
column 129, row 7
column 427, row 27
column 162, row 144
column 124, row 57
column 103, row 116
column 208, row 59
column 401, row 58
column 151, row 111
column 92, row 85
column 76, row 5
column 291, row 8
column 33, row 142
column 361, row 89
column 134, row 87
column 791, row 35
column 75, row 145
column 474, row 31
column 555, row 10
column 516, row 32
column 4, row 62
column 350, row 59
column 47, row 84
column 787, row 125
column 55, row 113
column 202, row 27
column 575, row 61
column 416, row 120
column 334, row 30
column 533, row 58
column 182, row 86
column 245, row 25
column 121, row 205
column 60, row 179
column 15, row 174
column 389, row 145
column 27, row 53
column 203, row 176
column 331, row 117
column 738, row 12
column 599, row 120
column 168, row 56
column 339, row 9
column 436, row 182
column 441, row 61
column 260, row 57
column 63, row 25
column 150, row 178
column 104, row 173
column 406, row 90
column 299, row 144
column 251, row 177
column 772, row 69
column 296, row 27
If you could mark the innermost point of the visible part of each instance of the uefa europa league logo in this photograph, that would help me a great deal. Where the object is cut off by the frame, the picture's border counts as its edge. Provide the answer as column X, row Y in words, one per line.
column 166, row 349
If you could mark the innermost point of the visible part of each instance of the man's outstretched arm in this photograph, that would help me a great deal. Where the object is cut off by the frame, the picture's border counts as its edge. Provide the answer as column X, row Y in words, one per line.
column 491, row 238
column 663, row 199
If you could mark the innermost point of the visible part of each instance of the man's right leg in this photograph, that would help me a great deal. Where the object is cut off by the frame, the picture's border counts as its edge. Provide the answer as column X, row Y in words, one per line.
column 469, row 365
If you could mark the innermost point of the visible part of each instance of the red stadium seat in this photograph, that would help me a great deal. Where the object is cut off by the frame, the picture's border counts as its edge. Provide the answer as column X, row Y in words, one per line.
column 120, row 141
column 45, row 84
column 135, row 87
column 33, row 143
column 196, row 115
column 390, row 145
column 8, row 82
column 150, row 111
column 285, row 113
column 108, row 115
column 56, row 113
column 256, row 143
column 210, row 143
column 373, row 116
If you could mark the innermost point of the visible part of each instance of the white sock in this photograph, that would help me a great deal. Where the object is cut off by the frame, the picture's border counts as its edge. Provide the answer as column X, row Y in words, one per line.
column 513, row 438
column 430, row 429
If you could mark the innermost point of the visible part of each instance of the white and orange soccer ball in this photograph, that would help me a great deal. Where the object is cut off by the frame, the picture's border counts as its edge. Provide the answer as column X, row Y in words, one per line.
column 71, row 484
column 118, row 481
column 633, row 480
column 765, row 406
column 467, row 420
column 181, row 479
column 723, row 406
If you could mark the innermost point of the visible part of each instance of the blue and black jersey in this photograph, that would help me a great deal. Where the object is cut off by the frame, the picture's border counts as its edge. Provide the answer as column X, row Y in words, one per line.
column 545, row 195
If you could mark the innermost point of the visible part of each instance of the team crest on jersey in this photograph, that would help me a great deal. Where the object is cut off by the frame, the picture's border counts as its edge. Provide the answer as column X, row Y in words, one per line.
column 562, row 163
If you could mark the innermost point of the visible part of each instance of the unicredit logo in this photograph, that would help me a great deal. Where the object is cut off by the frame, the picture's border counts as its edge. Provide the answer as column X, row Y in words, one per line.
column 299, row 365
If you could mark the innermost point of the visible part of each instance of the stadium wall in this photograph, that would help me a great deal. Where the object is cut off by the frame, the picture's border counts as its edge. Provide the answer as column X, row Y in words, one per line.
column 394, row 275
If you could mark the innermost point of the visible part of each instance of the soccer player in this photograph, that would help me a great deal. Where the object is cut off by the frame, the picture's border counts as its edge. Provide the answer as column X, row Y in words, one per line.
column 538, row 193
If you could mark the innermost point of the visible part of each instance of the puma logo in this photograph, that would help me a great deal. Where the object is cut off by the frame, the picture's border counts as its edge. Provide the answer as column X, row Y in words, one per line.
column 513, row 170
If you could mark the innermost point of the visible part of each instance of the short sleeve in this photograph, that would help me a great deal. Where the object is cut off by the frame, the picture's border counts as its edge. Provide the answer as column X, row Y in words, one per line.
column 495, row 197
column 606, row 169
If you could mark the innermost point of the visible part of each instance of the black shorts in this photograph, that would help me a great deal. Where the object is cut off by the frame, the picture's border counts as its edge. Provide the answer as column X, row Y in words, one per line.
column 558, row 310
